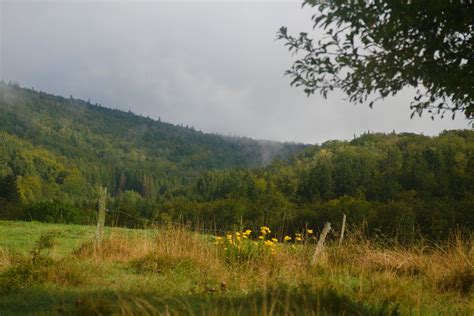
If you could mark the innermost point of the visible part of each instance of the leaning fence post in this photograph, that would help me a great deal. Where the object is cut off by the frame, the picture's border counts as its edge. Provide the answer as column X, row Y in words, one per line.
column 342, row 228
column 320, row 244
column 101, row 214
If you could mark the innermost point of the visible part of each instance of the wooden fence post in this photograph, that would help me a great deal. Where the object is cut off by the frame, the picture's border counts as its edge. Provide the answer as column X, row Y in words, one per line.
column 342, row 228
column 101, row 214
column 320, row 244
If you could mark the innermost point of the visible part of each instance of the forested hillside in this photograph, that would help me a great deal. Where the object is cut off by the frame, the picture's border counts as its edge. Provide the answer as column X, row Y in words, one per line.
column 56, row 147
column 54, row 152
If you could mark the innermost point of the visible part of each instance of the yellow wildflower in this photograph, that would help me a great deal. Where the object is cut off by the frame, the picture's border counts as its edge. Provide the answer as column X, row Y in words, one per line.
column 287, row 238
column 265, row 230
column 310, row 231
column 229, row 237
column 218, row 240
column 274, row 240
column 237, row 234
column 269, row 243
column 261, row 237
column 247, row 232
column 298, row 238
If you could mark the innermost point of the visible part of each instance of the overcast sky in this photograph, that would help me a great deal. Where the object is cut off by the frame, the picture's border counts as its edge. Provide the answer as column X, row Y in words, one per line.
column 214, row 65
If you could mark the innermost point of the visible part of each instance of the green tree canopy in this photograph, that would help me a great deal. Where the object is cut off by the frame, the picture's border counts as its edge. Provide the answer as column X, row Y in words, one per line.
column 373, row 49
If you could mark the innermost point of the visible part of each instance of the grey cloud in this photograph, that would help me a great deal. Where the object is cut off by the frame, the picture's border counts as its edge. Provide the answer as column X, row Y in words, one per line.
column 212, row 65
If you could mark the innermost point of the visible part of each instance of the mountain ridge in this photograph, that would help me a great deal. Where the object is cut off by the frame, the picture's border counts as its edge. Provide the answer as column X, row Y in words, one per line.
column 132, row 125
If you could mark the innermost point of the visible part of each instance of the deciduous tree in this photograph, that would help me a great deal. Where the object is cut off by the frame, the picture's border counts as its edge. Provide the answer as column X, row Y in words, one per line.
column 373, row 49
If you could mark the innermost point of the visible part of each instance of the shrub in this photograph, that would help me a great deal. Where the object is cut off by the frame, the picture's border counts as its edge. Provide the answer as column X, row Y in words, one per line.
column 45, row 242
column 55, row 212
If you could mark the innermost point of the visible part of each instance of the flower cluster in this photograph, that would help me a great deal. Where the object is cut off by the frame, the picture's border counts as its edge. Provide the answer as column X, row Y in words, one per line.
column 264, row 230
column 240, row 241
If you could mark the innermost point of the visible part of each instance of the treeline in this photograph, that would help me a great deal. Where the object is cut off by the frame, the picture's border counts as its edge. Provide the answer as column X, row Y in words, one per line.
column 55, row 152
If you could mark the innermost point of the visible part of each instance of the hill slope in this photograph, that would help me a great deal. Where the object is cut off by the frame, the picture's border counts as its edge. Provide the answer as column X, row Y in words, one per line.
column 115, row 148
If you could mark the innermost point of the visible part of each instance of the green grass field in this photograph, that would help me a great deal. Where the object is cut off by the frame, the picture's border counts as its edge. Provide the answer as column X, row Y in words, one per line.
column 174, row 271
column 21, row 236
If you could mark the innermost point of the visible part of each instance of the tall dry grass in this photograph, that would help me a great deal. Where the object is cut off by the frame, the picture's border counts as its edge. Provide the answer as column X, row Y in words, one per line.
column 5, row 258
column 116, row 246
column 443, row 267
column 358, row 273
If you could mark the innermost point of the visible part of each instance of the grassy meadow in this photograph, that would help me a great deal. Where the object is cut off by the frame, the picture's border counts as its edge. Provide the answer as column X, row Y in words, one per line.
column 58, row 269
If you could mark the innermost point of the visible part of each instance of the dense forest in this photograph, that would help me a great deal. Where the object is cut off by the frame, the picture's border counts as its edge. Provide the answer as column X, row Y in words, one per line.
column 57, row 148
column 55, row 152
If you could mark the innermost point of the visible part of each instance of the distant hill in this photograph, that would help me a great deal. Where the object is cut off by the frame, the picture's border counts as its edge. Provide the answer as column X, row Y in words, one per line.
column 115, row 148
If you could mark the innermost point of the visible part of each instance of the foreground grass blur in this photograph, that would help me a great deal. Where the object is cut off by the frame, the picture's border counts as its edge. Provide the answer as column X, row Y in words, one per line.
column 57, row 269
